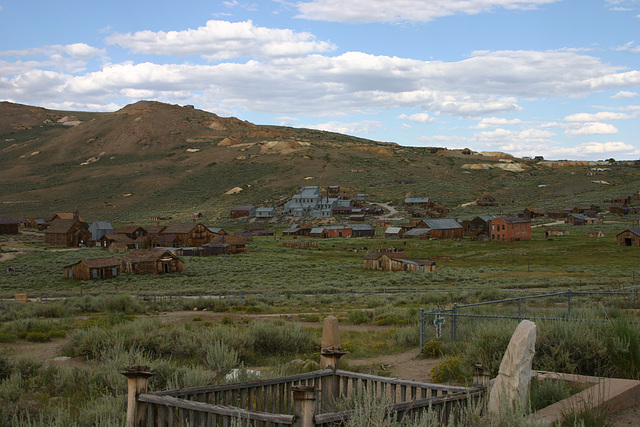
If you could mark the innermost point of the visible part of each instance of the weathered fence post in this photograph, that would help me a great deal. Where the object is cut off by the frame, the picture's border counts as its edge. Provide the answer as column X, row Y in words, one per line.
column 422, row 330
column 304, row 405
column 137, row 377
column 330, row 354
column 481, row 376
column 454, row 322
column 569, row 302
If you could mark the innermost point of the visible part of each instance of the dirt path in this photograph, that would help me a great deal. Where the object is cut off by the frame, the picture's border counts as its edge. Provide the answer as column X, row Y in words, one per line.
column 391, row 214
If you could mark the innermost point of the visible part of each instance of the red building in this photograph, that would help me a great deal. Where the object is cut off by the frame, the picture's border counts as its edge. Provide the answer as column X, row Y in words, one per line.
column 510, row 228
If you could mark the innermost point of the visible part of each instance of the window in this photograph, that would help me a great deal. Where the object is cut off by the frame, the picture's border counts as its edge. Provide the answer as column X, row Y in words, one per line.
column 114, row 271
column 71, row 271
column 94, row 273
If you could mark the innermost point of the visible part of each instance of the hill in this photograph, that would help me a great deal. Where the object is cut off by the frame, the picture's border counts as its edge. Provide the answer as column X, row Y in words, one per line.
column 151, row 158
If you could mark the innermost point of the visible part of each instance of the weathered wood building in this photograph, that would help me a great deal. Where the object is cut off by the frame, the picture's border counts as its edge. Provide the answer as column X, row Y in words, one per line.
column 152, row 262
column 396, row 261
column 67, row 232
column 630, row 237
column 93, row 269
column 194, row 234
column 237, row 243
column 9, row 226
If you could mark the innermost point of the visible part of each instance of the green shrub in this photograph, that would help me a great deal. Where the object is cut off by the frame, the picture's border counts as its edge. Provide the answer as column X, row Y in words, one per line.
column 451, row 370
column 38, row 337
column 432, row 348
column 359, row 317
column 220, row 357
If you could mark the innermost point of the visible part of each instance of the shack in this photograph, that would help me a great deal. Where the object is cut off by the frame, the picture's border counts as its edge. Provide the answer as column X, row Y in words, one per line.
column 396, row 261
column 152, row 262
column 93, row 269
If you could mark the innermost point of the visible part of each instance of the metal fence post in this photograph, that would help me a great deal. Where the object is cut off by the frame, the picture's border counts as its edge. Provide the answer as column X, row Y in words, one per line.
column 569, row 302
column 519, row 309
column 170, row 302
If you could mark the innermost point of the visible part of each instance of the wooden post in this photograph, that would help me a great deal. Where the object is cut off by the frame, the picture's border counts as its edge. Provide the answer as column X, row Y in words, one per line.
column 481, row 376
column 137, row 378
column 330, row 354
column 304, row 405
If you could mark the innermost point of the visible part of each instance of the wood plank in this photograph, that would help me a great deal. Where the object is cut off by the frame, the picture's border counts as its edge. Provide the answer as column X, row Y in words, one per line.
column 228, row 411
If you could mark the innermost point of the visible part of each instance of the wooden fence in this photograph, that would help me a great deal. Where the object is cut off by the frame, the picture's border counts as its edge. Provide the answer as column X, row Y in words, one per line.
column 316, row 398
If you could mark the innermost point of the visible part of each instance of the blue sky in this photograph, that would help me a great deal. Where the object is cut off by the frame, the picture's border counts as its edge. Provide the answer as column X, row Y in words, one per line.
column 557, row 78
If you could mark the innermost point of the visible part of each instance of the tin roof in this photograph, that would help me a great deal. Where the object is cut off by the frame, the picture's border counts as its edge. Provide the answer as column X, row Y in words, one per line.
column 141, row 256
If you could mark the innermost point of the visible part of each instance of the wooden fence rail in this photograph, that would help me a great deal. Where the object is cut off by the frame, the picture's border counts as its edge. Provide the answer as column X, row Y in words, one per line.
column 278, row 402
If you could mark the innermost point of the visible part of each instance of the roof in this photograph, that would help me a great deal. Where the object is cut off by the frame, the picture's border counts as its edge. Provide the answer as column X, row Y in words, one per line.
column 243, row 208
column 393, row 230
column 584, row 217
column 5, row 220
column 317, row 230
column 235, row 239
column 61, row 226
column 128, row 229
column 360, row 226
column 417, row 232
column 180, row 228
column 217, row 230
column 101, row 225
column 442, row 224
column 513, row 219
column 635, row 231
column 396, row 256
column 98, row 262
column 154, row 229
column 142, row 256
column 487, row 218
column 118, row 238
column 265, row 209
column 166, row 238
column 410, row 200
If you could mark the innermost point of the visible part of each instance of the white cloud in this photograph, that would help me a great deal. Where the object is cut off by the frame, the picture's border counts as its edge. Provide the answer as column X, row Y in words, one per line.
column 417, row 118
column 600, row 116
column 287, row 121
column 356, row 128
column 592, row 128
column 223, row 40
column 500, row 137
column 403, row 10
column 489, row 122
column 625, row 94
column 615, row 149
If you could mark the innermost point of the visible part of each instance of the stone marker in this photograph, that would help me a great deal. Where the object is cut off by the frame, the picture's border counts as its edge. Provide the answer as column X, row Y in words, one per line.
column 514, row 376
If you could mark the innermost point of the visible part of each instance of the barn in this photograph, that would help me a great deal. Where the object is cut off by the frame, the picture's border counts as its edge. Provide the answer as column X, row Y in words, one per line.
column 93, row 269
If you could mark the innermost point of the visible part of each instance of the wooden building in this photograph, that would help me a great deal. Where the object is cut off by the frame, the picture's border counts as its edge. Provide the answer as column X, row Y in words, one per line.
column 191, row 234
column 510, row 228
column 396, row 261
column 166, row 240
column 67, row 232
column 93, row 269
column 9, row 226
column 132, row 231
column 443, row 228
column 152, row 262
column 595, row 234
column 242, row 211
column 237, row 243
column 555, row 232
column 630, row 237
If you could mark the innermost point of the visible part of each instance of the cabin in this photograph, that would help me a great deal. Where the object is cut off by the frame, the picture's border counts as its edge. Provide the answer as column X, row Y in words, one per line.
column 298, row 230
column 331, row 231
column 510, row 228
column 630, row 237
column 237, row 243
column 362, row 230
column 93, row 269
column 443, row 228
column 418, row 202
column 555, row 232
column 213, row 249
column 154, row 230
column 531, row 213
column 595, row 234
column 393, row 233
column 266, row 213
column 580, row 219
column 108, row 240
column 132, row 231
column 620, row 210
column 152, row 262
column 167, row 240
column 396, row 261
column 242, row 211
column 67, row 232
column 9, row 226
column 487, row 201
column 191, row 234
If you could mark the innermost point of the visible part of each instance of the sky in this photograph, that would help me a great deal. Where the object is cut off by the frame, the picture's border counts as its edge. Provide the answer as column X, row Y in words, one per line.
column 552, row 78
